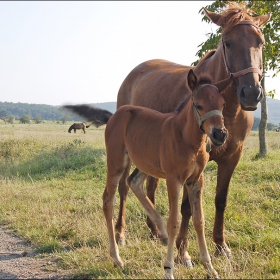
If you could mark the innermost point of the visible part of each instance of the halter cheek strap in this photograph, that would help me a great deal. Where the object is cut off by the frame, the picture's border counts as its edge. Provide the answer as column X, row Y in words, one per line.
column 200, row 119
column 247, row 70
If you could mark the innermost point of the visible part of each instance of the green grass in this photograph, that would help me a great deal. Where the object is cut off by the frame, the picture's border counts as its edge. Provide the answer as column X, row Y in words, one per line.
column 51, row 185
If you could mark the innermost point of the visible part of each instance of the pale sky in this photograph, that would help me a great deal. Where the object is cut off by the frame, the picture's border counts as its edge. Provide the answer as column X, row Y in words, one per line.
column 58, row 52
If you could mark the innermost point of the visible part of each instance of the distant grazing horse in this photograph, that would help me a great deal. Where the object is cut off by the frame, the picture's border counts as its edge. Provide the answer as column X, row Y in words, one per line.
column 78, row 126
column 160, row 85
column 170, row 146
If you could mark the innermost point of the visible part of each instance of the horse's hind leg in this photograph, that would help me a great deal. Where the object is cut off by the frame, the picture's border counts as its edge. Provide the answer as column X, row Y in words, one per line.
column 151, row 186
column 123, row 191
column 182, row 242
column 195, row 197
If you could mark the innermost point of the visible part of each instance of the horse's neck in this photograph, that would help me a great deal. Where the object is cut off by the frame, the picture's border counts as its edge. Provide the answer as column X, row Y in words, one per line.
column 188, row 129
column 215, row 69
column 213, row 66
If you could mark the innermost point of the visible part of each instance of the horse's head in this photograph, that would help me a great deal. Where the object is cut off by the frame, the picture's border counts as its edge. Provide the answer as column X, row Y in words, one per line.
column 242, row 43
column 208, row 104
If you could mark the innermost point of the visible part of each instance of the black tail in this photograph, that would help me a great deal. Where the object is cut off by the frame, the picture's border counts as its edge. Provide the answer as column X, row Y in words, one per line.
column 87, row 126
column 95, row 115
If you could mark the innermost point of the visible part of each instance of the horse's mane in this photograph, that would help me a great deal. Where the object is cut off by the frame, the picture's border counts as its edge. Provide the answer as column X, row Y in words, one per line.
column 234, row 14
column 182, row 104
column 207, row 55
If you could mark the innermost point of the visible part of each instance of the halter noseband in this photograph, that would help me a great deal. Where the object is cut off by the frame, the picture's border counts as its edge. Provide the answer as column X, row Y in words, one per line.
column 247, row 70
column 200, row 119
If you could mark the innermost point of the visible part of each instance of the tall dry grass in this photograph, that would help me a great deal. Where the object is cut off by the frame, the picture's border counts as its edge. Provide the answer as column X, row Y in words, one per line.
column 51, row 184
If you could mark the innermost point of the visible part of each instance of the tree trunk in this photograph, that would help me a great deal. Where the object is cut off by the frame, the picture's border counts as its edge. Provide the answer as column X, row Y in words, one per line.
column 262, row 125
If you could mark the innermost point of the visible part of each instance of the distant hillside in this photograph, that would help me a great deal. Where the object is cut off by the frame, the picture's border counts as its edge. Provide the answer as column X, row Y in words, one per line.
column 273, row 107
column 46, row 112
column 49, row 112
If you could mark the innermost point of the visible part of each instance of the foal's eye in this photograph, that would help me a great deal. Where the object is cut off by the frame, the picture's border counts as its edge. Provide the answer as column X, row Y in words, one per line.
column 224, row 105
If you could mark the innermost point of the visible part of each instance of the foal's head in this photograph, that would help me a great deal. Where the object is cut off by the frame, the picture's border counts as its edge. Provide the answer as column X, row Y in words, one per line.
column 208, row 105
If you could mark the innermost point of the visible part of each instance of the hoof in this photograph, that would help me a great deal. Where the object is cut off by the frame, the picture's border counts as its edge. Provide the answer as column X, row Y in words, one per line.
column 214, row 275
column 186, row 263
column 223, row 251
column 120, row 239
column 164, row 241
column 119, row 264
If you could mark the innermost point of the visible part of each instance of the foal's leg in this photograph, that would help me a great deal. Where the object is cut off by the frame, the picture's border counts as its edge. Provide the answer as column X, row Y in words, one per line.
column 225, row 171
column 115, row 169
column 182, row 242
column 173, row 189
column 195, row 197
column 123, row 191
column 135, row 181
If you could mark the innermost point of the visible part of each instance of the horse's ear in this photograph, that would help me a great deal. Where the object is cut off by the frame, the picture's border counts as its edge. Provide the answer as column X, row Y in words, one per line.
column 192, row 79
column 212, row 16
column 261, row 20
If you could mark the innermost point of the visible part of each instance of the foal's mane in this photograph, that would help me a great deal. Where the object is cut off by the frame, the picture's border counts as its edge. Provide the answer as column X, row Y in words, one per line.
column 182, row 104
column 234, row 14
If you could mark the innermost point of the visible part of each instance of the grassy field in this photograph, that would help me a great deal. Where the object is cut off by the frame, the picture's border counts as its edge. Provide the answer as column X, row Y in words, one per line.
column 51, row 185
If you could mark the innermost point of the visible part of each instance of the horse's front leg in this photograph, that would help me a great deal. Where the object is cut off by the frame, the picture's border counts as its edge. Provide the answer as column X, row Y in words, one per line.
column 195, row 190
column 225, row 171
column 123, row 191
column 182, row 242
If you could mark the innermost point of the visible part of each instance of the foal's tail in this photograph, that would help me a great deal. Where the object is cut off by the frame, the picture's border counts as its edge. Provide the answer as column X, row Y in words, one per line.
column 95, row 115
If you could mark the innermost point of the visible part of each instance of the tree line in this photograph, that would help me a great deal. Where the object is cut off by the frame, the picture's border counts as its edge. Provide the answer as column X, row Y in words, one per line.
column 26, row 113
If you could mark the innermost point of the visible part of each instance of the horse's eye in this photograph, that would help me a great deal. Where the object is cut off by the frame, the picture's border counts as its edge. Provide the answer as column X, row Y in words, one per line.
column 224, row 105
column 227, row 44
column 198, row 107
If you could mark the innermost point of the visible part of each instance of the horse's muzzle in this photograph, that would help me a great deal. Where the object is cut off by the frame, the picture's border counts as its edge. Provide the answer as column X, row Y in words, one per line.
column 250, row 96
column 218, row 136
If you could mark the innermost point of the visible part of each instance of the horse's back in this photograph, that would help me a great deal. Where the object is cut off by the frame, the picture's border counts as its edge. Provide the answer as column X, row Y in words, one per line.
column 156, row 84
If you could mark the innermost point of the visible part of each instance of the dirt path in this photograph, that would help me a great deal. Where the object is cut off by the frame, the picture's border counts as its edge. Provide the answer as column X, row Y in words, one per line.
column 18, row 260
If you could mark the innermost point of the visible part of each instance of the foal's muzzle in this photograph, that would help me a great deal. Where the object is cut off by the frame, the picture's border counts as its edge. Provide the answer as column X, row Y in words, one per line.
column 218, row 136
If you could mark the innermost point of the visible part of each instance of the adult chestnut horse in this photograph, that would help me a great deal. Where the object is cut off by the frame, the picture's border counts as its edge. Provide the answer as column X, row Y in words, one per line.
column 78, row 126
column 170, row 146
column 160, row 85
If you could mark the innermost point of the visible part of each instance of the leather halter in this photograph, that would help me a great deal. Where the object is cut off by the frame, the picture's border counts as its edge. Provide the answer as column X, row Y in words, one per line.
column 247, row 70
column 200, row 119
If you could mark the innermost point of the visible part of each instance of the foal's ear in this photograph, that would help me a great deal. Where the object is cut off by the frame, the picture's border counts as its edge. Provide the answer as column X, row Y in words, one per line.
column 192, row 79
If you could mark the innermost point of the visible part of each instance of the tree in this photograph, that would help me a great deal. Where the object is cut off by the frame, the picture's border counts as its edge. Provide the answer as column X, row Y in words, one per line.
column 64, row 118
column 271, row 52
column 25, row 119
column 11, row 119
column 37, row 119
column 4, row 115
